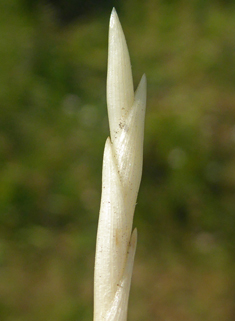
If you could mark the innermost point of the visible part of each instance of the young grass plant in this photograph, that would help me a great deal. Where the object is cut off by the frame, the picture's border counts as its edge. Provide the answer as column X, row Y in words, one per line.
column 122, row 170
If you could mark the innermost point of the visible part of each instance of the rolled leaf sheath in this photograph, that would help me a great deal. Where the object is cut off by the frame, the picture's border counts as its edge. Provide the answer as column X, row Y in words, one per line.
column 122, row 170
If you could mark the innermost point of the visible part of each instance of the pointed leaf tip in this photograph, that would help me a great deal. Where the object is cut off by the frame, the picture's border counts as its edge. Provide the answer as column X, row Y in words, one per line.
column 144, row 78
column 120, row 91
column 143, row 81
column 140, row 93
column 113, row 11
column 113, row 18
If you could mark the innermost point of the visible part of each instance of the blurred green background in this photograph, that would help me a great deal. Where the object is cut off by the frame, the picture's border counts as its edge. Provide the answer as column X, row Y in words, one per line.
column 53, row 126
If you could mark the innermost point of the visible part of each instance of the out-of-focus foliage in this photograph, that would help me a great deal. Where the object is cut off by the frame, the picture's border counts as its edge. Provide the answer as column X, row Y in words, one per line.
column 53, row 125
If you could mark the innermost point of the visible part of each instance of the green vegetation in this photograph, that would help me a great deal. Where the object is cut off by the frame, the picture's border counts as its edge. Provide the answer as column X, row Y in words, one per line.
column 53, row 127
